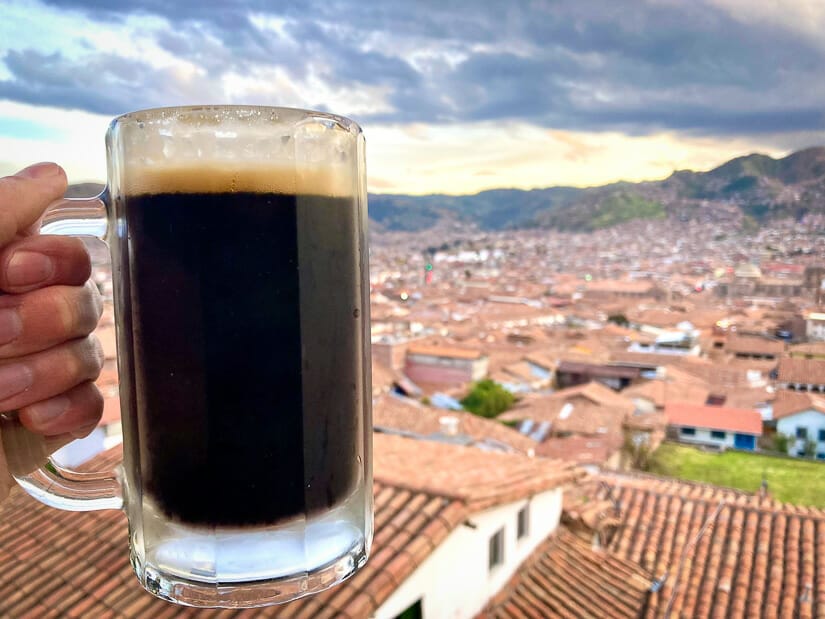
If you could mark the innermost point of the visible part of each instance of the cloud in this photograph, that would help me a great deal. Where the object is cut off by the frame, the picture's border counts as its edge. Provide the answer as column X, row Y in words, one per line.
column 704, row 67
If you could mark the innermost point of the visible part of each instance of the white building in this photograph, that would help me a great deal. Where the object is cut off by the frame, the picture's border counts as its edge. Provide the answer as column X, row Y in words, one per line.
column 491, row 546
column 815, row 326
column 801, row 417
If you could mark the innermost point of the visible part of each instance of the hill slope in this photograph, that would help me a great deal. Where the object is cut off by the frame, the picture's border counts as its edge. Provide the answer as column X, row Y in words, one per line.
column 756, row 185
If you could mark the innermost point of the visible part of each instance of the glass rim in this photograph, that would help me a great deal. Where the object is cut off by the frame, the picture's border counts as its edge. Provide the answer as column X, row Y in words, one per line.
column 170, row 112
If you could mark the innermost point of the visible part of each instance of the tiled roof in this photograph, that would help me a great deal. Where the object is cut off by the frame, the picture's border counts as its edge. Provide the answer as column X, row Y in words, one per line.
column 714, row 417
column 754, row 345
column 480, row 479
column 64, row 564
column 811, row 348
column 662, row 391
column 591, row 397
column 443, row 351
column 794, row 370
column 596, row 369
column 566, row 577
column 791, row 402
column 403, row 414
column 579, row 449
column 724, row 553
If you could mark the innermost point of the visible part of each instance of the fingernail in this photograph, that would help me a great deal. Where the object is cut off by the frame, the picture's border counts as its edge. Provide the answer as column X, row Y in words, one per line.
column 43, row 412
column 83, row 432
column 28, row 268
column 14, row 378
column 10, row 325
column 44, row 169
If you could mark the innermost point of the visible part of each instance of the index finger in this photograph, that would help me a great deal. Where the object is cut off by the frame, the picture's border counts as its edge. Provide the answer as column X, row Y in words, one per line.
column 26, row 195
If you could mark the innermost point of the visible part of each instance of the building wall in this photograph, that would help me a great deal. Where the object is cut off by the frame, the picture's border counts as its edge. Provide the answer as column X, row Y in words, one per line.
column 421, row 373
column 479, row 368
column 810, row 419
column 390, row 354
column 703, row 437
column 815, row 329
column 454, row 581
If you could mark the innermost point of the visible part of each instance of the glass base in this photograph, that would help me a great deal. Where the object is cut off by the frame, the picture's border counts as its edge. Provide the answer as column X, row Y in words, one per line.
column 236, row 568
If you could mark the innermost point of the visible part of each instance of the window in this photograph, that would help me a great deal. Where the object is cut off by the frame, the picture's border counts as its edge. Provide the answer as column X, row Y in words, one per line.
column 523, row 522
column 688, row 431
column 822, row 435
column 413, row 612
column 801, row 432
column 497, row 549
column 717, row 434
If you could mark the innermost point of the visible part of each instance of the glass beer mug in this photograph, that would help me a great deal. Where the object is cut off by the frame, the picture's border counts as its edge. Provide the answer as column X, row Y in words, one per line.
column 239, row 262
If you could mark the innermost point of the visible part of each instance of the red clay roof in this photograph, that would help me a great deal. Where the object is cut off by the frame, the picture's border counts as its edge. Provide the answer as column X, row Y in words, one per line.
column 443, row 351
column 753, row 557
column 714, row 417
column 404, row 414
column 64, row 564
column 566, row 577
column 480, row 479
column 804, row 371
column 754, row 345
column 791, row 402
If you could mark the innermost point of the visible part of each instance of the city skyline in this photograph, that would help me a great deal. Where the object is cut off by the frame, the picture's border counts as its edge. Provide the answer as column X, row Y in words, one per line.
column 453, row 98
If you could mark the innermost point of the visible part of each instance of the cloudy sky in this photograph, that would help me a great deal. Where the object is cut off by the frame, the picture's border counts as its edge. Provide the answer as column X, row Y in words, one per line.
column 454, row 95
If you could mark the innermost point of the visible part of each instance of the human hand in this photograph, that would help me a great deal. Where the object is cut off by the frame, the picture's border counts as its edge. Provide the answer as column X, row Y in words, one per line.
column 48, row 309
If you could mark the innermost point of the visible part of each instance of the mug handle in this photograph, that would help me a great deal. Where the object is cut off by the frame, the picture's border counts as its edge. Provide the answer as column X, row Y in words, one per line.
column 25, row 451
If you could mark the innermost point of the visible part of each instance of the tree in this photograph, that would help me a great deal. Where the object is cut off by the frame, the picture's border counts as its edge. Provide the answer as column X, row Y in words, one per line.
column 781, row 442
column 810, row 448
column 488, row 399
column 637, row 451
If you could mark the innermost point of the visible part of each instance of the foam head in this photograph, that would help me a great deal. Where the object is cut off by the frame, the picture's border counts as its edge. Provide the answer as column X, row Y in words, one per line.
column 229, row 149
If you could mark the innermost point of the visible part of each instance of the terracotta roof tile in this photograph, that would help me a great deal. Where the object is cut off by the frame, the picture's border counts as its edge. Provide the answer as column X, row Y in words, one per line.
column 76, row 564
column 566, row 577
column 791, row 402
column 661, row 391
column 478, row 478
column 390, row 411
column 443, row 351
column 754, row 345
column 804, row 371
column 714, row 417
column 725, row 552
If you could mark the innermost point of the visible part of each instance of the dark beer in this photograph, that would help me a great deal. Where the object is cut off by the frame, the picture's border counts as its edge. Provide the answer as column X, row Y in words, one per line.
column 245, row 308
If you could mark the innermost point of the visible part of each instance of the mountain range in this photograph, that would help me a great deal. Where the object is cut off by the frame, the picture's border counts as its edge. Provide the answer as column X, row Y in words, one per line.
column 756, row 187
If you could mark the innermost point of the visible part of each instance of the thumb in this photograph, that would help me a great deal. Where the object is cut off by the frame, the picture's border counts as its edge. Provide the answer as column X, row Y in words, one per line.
column 26, row 195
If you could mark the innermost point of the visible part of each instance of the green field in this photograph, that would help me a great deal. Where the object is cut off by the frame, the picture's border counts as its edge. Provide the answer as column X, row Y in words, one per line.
column 793, row 481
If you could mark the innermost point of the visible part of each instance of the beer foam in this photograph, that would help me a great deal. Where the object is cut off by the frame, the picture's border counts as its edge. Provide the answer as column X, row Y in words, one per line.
column 336, row 181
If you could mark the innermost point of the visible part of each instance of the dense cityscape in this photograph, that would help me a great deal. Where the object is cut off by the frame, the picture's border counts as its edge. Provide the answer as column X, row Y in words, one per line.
column 595, row 317
column 656, row 452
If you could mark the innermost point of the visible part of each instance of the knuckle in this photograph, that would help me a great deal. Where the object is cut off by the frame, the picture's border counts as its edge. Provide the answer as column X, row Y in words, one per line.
column 84, row 359
column 88, row 308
